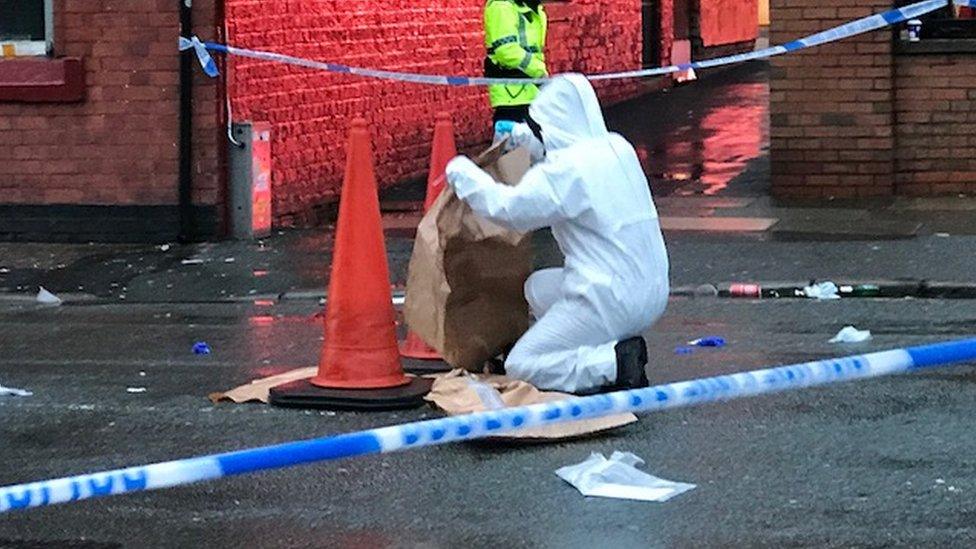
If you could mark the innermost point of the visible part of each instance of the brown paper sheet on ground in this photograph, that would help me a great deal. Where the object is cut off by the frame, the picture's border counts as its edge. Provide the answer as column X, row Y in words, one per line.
column 466, row 276
column 257, row 390
column 461, row 392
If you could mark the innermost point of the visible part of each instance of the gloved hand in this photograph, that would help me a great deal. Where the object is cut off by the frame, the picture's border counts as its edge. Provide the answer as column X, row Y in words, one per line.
column 463, row 175
column 523, row 136
column 503, row 129
column 519, row 135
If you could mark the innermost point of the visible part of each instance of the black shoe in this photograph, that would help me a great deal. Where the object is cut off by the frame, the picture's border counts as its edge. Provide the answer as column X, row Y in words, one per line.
column 631, row 360
column 495, row 366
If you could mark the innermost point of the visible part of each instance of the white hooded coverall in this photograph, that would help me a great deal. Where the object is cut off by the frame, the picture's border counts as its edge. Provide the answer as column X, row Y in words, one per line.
column 590, row 189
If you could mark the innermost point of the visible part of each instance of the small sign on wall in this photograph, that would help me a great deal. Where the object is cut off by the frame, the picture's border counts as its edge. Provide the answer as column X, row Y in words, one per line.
column 250, row 180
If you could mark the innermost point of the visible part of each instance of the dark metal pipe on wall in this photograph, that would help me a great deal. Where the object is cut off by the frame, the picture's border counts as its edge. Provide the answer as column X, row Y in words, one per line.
column 186, row 126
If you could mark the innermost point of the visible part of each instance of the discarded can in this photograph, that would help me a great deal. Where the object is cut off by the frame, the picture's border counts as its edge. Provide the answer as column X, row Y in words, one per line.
column 860, row 290
column 201, row 348
column 745, row 290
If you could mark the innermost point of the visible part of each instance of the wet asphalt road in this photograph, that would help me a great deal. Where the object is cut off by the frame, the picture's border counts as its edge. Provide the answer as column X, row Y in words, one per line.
column 698, row 139
column 885, row 462
column 879, row 463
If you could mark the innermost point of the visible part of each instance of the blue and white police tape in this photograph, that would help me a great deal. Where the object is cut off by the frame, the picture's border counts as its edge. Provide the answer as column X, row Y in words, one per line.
column 484, row 424
column 203, row 56
column 847, row 30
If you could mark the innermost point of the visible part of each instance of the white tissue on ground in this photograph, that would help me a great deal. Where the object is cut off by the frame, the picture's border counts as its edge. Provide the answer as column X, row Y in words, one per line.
column 822, row 290
column 10, row 391
column 850, row 334
column 685, row 75
column 618, row 477
column 45, row 297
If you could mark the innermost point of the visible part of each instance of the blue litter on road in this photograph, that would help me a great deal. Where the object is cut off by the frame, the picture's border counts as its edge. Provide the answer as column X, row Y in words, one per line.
column 708, row 341
column 201, row 348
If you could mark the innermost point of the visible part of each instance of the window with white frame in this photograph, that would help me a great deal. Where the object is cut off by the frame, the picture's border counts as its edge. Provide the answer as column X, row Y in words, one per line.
column 26, row 27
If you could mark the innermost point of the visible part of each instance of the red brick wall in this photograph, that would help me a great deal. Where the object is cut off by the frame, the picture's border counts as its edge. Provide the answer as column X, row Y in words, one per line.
column 831, row 107
column 593, row 36
column 723, row 22
column 667, row 30
column 711, row 52
column 119, row 145
column 310, row 111
column 935, row 124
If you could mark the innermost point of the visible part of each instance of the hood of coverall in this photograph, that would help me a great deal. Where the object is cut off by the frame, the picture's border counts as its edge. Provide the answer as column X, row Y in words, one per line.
column 568, row 112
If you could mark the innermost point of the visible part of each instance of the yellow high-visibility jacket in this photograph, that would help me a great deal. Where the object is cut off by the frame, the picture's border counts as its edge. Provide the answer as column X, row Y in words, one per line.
column 515, row 37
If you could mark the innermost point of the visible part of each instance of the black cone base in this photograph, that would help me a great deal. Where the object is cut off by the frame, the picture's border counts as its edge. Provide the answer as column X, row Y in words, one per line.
column 421, row 366
column 302, row 394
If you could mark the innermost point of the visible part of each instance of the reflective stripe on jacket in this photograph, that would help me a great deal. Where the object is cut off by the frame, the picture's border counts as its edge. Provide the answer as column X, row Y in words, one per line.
column 515, row 37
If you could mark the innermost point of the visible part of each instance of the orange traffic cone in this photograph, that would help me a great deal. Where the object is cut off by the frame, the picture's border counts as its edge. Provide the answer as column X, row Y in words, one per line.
column 442, row 151
column 359, row 367
column 414, row 347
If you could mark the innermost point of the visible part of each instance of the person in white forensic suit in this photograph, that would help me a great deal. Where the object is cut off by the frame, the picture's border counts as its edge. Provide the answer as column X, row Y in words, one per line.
column 588, row 186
